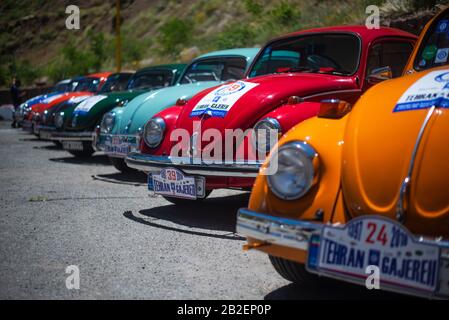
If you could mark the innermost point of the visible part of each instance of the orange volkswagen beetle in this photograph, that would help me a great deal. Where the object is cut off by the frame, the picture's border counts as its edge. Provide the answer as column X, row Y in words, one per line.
column 364, row 195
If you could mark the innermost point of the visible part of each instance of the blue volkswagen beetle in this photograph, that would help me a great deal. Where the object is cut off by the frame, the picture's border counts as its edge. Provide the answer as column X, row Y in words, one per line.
column 121, row 128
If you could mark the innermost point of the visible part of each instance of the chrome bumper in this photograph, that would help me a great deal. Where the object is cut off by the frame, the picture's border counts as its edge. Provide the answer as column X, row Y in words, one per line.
column 281, row 231
column 149, row 163
column 73, row 136
column 45, row 132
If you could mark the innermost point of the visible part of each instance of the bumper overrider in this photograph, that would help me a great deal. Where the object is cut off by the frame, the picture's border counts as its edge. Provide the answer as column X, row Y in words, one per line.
column 266, row 229
column 154, row 164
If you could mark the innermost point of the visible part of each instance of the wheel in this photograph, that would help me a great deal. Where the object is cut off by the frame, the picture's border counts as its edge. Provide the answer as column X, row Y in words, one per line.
column 120, row 165
column 86, row 152
column 183, row 202
column 293, row 271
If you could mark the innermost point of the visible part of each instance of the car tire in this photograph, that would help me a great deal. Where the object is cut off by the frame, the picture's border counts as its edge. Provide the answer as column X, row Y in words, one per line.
column 186, row 202
column 120, row 165
column 293, row 271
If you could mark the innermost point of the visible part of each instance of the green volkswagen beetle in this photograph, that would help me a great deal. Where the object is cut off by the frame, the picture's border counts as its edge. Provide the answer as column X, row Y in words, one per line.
column 76, row 123
column 121, row 128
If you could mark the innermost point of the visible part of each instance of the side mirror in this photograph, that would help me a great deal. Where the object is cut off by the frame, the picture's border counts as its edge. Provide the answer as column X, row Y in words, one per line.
column 380, row 74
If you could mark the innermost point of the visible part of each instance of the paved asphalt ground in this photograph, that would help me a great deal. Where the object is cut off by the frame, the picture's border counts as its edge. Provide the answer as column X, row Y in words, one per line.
column 56, row 211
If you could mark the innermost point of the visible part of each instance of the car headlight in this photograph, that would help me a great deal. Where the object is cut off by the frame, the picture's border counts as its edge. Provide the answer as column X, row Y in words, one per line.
column 154, row 132
column 107, row 123
column 261, row 134
column 59, row 120
column 45, row 116
column 297, row 170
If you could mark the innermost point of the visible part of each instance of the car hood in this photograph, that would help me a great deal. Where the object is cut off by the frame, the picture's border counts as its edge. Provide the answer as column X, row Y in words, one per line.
column 89, row 114
column 52, row 100
column 260, row 95
column 138, row 111
column 378, row 155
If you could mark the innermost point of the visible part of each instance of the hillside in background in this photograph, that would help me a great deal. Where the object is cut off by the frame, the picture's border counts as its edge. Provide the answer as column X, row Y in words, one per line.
column 35, row 44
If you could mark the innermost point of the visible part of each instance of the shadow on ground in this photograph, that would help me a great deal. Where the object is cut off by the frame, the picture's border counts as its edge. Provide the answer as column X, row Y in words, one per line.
column 92, row 160
column 130, row 178
column 217, row 214
column 331, row 290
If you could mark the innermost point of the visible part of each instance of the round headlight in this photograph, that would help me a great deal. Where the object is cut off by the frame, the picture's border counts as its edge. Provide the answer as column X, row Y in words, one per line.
column 59, row 120
column 154, row 132
column 45, row 116
column 297, row 169
column 261, row 134
column 107, row 123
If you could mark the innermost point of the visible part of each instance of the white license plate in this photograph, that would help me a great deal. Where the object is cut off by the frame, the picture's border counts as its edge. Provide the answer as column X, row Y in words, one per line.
column 73, row 145
column 121, row 145
column 44, row 135
column 173, row 183
column 405, row 264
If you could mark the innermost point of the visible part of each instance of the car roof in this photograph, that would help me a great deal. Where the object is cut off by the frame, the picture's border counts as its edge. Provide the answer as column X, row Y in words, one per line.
column 366, row 34
column 64, row 81
column 249, row 53
column 99, row 75
column 172, row 66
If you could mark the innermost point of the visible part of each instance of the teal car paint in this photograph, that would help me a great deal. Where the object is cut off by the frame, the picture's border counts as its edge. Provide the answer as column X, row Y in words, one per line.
column 121, row 128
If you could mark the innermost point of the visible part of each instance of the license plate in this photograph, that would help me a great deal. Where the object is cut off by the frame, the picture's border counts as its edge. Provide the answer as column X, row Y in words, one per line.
column 73, row 145
column 174, row 183
column 121, row 145
column 404, row 264
column 44, row 135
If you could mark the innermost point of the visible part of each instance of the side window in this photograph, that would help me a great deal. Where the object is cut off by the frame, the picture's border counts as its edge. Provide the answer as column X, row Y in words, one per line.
column 395, row 55
column 389, row 54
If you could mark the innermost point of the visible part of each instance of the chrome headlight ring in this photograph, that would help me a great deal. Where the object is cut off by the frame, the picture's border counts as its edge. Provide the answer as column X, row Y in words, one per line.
column 107, row 123
column 59, row 120
column 154, row 132
column 297, row 170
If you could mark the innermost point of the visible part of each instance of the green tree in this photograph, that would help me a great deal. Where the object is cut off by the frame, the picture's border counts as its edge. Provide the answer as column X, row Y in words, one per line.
column 174, row 35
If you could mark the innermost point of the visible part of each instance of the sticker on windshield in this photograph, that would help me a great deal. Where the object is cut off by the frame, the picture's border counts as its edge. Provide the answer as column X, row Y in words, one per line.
column 441, row 56
column 442, row 26
column 218, row 102
column 429, row 52
column 430, row 90
column 88, row 103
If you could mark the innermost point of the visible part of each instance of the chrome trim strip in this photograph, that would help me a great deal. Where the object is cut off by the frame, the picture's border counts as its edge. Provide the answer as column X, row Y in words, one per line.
column 281, row 231
column 405, row 186
column 149, row 163
column 332, row 93
column 73, row 136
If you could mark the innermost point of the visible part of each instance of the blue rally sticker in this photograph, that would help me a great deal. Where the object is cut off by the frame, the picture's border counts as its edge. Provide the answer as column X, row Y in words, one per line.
column 442, row 26
column 430, row 90
column 218, row 102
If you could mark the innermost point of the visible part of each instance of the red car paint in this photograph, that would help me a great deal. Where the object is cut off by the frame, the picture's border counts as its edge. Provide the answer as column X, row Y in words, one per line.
column 269, row 98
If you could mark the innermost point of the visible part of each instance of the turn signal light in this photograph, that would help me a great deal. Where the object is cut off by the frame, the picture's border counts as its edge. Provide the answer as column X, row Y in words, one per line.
column 181, row 102
column 333, row 109
column 294, row 100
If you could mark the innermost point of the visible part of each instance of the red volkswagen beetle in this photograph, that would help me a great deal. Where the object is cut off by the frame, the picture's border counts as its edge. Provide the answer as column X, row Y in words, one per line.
column 204, row 144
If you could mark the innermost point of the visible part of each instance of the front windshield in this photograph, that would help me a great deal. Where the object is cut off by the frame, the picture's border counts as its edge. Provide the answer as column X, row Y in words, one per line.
column 434, row 49
column 151, row 79
column 215, row 69
column 87, row 84
column 333, row 53
column 62, row 87
column 115, row 82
